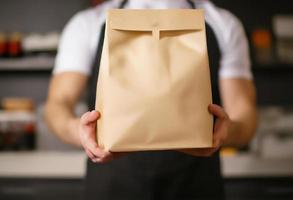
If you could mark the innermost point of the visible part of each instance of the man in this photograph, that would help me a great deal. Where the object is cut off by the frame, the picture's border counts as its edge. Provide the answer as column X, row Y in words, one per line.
column 157, row 174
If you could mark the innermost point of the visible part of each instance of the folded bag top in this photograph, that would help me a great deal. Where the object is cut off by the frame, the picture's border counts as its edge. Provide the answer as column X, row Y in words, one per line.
column 134, row 20
column 153, row 94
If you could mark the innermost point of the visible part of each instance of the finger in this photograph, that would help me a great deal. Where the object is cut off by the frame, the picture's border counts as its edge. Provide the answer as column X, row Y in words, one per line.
column 89, row 154
column 92, row 146
column 97, row 160
column 218, row 124
column 88, row 140
column 90, row 117
column 222, row 122
column 95, row 153
column 101, row 153
column 216, row 143
column 108, row 158
column 221, row 129
column 219, row 136
column 100, row 160
column 218, row 111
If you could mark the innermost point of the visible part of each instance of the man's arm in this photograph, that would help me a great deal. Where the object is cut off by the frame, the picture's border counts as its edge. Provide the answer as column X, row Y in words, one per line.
column 239, row 101
column 64, row 92
column 235, row 123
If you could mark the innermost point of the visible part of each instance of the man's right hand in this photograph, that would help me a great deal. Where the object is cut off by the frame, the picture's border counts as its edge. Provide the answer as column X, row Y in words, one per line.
column 87, row 134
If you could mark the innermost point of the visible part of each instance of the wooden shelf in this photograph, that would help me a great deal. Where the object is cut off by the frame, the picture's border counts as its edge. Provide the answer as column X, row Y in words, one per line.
column 37, row 63
column 43, row 164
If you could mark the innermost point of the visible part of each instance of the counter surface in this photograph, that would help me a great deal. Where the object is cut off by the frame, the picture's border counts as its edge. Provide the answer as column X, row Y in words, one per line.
column 73, row 165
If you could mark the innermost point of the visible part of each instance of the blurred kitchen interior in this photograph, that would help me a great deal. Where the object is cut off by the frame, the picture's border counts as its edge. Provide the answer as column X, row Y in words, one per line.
column 35, row 165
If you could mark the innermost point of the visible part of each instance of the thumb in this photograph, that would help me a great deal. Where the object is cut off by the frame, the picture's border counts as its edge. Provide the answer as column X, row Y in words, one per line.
column 90, row 117
column 218, row 111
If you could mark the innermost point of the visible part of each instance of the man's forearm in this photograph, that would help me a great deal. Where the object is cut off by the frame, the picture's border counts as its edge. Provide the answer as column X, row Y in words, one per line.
column 62, row 122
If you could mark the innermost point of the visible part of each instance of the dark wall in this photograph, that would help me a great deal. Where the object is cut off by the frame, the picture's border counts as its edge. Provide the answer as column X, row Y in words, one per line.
column 256, row 13
column 37, row 15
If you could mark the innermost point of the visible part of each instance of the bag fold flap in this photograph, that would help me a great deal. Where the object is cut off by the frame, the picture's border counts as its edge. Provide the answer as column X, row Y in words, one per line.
column 177, row 19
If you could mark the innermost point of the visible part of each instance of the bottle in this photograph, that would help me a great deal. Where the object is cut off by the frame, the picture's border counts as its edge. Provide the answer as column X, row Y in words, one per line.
column 30, row 136
column 3, row 45
column 14, row 45
column 262, row 44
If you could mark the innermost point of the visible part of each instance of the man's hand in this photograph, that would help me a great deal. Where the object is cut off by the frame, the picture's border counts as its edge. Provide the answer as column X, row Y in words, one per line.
column 221, row 129
column 87, row 134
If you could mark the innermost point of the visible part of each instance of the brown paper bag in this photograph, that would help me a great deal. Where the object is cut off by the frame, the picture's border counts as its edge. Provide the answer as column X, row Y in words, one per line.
column 154, row 85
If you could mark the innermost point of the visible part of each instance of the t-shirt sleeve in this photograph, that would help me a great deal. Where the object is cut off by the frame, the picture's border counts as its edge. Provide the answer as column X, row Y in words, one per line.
column 235, row 60
column 74, row 53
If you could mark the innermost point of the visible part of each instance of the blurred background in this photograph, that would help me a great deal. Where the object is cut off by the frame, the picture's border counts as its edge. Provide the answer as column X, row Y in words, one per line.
column 35, row 165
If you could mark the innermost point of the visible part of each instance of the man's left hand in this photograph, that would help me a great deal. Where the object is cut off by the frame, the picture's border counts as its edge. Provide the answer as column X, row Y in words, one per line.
column 221, row 129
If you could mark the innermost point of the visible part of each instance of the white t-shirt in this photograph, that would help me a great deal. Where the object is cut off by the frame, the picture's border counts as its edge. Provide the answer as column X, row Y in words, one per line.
column 80, row 36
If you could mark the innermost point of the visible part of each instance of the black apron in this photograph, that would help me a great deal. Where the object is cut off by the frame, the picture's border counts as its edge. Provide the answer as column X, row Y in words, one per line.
column 157, row 175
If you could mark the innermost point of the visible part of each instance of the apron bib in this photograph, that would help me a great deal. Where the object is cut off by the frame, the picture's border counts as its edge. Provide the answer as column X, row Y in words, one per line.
column 162, row 175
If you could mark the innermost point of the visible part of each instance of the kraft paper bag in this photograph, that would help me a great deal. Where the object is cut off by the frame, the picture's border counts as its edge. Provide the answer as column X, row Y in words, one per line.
column 154, row 85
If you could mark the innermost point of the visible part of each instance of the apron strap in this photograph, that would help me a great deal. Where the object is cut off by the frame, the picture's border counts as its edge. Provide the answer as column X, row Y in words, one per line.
column 96, row 64
column 191, row 4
